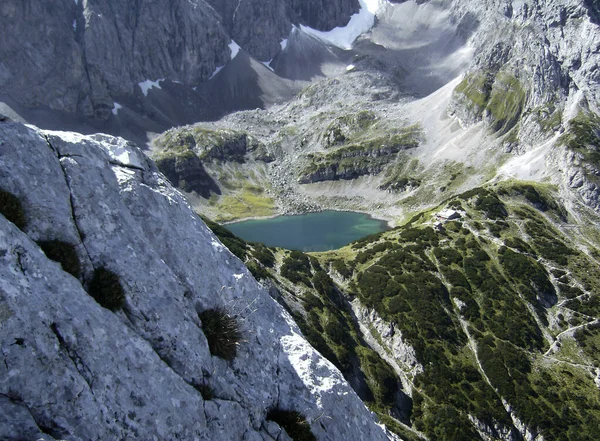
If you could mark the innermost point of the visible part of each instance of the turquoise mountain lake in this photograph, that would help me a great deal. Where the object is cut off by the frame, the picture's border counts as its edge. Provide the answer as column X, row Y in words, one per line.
column 327, row 230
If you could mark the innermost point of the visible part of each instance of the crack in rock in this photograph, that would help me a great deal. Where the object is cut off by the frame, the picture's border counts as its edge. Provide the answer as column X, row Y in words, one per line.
column 79, row 364
column 71, row 200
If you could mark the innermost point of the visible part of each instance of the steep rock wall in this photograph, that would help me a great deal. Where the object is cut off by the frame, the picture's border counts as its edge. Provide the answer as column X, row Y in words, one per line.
column 72, row 369
column 83, row 56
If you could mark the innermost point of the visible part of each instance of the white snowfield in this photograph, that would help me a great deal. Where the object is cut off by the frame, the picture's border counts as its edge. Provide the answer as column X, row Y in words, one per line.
column 116, row 107
column 146, row 85
column 234, row 48
column 359, row 23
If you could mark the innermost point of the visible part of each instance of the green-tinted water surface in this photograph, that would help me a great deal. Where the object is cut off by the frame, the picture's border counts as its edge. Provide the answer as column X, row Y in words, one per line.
column 327, row 230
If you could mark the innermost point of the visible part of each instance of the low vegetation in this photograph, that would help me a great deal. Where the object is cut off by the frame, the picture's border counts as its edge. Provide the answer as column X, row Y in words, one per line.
column 477, row 300
column 105, row 287
column 293, row 422
column 250, row 202
column 12, row 210
column 499, row 97
column 583, row 137
column 222, row 331
column 63, row 253
column 367, row 154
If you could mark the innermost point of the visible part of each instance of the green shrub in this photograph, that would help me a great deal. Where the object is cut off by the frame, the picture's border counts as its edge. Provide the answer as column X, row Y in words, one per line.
column 341, row 267
column 63, row 253
column 206, row 391
column 222, row 332
column 294, row 424
column 264, row 255
column 105, row 287
column 257, row 270
column 296, row 268
column 11, row 208
column 236, row 245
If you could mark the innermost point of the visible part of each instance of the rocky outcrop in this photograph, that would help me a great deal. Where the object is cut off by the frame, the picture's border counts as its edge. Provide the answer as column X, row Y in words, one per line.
column 539, row 46
column 186, row 172
column 535, row 71
column 389, row 344
column 182, row 154
column 346, row 170
column 72, row 369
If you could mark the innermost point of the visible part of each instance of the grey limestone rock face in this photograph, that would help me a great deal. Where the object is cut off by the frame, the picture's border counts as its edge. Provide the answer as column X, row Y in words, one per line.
column 82, row 56
column 548, row 47
column 324, row 14
column 271, row 20
column 72, row 369
column 536, row 67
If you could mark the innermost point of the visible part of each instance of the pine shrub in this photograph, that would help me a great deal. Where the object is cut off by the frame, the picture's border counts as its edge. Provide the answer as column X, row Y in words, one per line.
column 105, row 287
column 294, row 424
column 11, row 208
column 222, row 331
column 63, row 253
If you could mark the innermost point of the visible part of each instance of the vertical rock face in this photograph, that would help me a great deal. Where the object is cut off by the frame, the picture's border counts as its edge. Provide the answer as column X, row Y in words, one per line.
column 41, row 63
column 272, row 20
column 77, row 56
column 548, row 48
column 82, row 56
column 324, row 14
column 72, row 369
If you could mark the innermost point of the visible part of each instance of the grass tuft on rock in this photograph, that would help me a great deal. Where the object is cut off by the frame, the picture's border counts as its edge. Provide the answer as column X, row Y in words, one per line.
column 222, row 331
column 11, row 208
column 293, row 422
column 105, row 287
column 206, row 391
column 63, row 253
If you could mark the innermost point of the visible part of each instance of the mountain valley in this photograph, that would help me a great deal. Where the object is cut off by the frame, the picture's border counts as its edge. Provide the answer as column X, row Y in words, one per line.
column 471, row 128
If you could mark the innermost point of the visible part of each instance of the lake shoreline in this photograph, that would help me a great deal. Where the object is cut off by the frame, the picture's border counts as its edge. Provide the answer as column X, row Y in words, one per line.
column 389, row 222
column 315, row 231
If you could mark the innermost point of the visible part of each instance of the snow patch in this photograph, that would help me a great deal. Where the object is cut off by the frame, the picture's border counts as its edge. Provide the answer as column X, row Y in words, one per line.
column 283, row 43
column 350, row 67
column 268, row 64
column 234, row 48
column 116, row 107
column 149, row 84
column 238, row 276
column 217, row 70
column 359, row 23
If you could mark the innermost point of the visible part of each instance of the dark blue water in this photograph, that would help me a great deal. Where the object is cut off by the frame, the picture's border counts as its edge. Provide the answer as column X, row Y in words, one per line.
column 327, row 230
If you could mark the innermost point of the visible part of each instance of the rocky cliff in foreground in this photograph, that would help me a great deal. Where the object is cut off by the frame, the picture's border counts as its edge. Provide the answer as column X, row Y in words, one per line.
column 137, row 360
